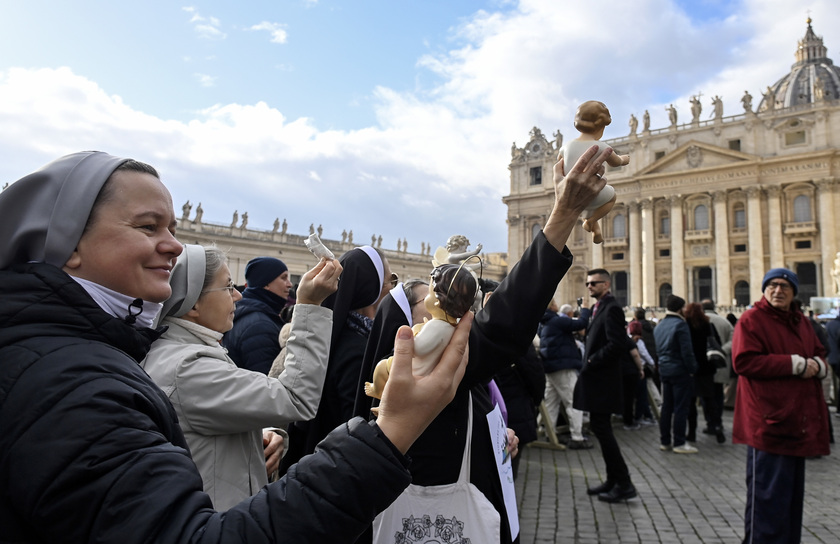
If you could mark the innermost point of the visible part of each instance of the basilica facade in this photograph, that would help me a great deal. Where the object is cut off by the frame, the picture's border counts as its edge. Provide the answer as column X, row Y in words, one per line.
column 706, row 207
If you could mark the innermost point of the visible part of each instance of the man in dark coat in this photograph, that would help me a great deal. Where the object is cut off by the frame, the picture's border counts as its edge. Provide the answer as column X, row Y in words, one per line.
column 599, row 387
column 254, row 340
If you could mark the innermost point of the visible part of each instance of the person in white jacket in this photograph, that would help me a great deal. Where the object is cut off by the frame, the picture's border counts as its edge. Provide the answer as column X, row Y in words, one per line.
column 223, row 409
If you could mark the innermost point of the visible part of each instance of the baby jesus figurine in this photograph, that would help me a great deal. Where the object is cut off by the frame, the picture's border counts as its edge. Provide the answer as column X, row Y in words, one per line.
column 452, row 290
column 456, row 252
column 590, row 120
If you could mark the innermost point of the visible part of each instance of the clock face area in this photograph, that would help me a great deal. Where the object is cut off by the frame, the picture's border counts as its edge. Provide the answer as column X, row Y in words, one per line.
column 535, row 148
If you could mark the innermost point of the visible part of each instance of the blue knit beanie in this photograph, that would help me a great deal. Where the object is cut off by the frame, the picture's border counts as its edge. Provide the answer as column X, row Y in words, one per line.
column 261, row 271
column 783, row 273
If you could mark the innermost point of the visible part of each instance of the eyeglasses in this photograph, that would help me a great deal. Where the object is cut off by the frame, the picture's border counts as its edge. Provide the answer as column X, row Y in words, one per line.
column 394, row 280
column 230, row 288
column 592, row 283
column 773, row 285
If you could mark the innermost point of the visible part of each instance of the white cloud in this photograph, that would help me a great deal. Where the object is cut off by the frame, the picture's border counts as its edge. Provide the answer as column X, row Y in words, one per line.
column 205, row 27
column 277, row 31
column 206, row 81
column 435, row 163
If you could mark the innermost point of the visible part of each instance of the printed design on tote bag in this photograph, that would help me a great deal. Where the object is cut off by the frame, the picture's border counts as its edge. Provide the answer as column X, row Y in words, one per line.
column 418, row 530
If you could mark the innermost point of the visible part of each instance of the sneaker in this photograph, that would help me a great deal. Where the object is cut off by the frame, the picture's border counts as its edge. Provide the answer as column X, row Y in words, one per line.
column 647, row 421
column 664, row 447
column 685, row 448
column 580, row 445
column 633, row 427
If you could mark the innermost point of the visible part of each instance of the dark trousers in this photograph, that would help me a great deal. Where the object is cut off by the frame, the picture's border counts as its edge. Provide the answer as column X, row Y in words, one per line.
column 601, row 427
column 677, row 394
column 629, row 383
column 713, row 408
column 775, row 494
column 642, row 401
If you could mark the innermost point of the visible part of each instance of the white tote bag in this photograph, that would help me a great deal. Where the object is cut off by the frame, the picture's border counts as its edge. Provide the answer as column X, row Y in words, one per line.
column 455, row 513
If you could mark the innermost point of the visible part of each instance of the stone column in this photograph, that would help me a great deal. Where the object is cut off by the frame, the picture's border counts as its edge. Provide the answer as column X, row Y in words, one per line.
column 723, row 283
column 827, row 221
column 648, row 254
column 678, row 286
column 635, row 232
column 756, row 241
column 775, row 226
column 515, row 246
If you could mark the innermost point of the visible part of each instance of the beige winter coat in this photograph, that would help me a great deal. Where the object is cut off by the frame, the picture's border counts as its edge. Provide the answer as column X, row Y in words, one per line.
column 222, row 408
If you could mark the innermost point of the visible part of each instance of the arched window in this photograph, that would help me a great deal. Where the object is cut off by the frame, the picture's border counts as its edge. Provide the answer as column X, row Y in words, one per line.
column 701, row 217
column 664, row 293
column 801, row 209
column 619, row 225
column 619, row 287
column 740, row 217
column 665, row 224
column 807, row 273
column 742, row 293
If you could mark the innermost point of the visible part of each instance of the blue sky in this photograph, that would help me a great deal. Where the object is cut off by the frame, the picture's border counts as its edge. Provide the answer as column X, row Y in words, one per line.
column 392, row 118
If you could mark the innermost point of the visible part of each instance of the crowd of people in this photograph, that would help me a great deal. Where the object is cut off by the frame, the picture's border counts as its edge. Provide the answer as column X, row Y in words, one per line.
column 136, row 403
column 144, row 396
column 771, row 362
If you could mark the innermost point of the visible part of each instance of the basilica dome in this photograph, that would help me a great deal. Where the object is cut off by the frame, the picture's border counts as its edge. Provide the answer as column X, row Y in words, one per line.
column 812, row 78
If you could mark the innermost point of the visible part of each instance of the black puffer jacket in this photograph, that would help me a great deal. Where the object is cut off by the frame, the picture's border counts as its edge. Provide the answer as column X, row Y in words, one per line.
column 90, row 449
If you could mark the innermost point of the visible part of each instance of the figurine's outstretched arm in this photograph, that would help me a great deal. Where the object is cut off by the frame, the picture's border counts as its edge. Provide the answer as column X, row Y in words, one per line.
column 618, row 160
column 456, row 258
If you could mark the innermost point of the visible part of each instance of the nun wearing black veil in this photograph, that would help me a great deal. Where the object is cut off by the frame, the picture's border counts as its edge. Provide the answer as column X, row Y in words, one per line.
column 361, row 287
column 394, row 312
column 90, row 447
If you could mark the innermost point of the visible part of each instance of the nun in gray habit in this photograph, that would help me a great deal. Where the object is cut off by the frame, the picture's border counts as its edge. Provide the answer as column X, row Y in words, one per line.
column 225, row 411
column 90, row 447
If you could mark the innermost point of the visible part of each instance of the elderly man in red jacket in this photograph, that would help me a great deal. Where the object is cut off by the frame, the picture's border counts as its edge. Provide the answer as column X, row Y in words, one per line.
column 780, row 412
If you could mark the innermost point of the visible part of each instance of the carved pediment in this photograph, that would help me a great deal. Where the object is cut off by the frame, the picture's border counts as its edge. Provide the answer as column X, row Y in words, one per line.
column 696, row 155
column 792, row 123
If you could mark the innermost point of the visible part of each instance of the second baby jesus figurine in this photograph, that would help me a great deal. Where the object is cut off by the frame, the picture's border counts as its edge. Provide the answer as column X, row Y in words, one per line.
column 452, row 290
column 590, row 120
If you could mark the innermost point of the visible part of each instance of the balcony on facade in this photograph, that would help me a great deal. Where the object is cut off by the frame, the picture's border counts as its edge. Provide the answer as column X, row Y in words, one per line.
column 801, row 228
column 615, row 242
column 698, row 234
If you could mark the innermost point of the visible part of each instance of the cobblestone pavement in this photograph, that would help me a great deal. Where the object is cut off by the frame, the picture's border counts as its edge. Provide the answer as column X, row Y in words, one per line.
column 696, row 498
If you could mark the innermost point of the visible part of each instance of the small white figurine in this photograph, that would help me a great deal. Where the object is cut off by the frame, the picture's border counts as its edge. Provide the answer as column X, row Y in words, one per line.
column 452, row 290
column 591, row 119
column 317, row 247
